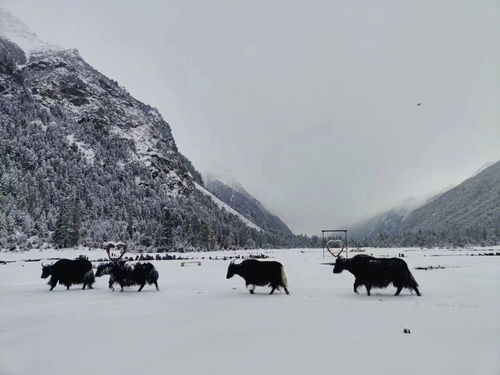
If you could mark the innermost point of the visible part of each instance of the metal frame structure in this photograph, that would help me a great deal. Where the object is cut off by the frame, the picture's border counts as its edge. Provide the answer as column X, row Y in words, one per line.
column 334, row 231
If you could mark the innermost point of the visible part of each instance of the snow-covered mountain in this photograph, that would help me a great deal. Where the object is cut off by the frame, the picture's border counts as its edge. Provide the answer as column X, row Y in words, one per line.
column 11, row 28
column 223, row 205
column 82, row 161
column 467, row 213
column 472, row 206
column 232, row 193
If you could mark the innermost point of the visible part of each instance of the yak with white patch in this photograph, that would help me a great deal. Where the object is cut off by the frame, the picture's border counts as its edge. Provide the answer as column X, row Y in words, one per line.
column 123, row 274
column 377, row 272
column 259, row 273
column 68, row 272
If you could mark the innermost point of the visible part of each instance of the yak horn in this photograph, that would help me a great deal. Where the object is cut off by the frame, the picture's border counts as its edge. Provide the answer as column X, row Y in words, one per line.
column 116, row 259
column 331, row 251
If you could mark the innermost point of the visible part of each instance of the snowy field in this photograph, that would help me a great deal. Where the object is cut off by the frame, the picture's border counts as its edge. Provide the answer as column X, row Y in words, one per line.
column 201, row 323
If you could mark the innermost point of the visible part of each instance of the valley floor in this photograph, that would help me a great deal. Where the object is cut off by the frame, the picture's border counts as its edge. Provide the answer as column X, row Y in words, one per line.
column 201, row 323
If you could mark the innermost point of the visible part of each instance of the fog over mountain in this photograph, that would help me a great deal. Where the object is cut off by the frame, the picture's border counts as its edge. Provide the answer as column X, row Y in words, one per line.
column 327, row 112
column 465, row 214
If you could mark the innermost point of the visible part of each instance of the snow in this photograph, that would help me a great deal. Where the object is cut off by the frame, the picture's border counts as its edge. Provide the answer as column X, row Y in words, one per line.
column 85, row 149
column 226, row 207
column 201, row 323
column 142, row 138
column 16, row 31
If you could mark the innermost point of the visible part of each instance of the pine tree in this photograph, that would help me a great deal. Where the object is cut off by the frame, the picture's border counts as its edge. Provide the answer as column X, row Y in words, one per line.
column 167, row 235
column 67, row 232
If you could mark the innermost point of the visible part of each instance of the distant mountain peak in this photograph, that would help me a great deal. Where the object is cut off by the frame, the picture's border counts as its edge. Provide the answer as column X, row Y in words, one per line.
column 466, row 213
column 217, row 171
column 226, row 178
column 14, row 30
column 235, row 196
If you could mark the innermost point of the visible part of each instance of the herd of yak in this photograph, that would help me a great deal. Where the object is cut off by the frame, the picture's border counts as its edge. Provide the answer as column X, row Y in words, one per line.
column 368, row 271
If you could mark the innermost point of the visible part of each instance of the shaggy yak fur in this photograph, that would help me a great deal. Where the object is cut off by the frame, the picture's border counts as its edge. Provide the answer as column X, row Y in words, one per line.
column 68, row 272
column 261, row 273
column 125, row 275
column 377, row 272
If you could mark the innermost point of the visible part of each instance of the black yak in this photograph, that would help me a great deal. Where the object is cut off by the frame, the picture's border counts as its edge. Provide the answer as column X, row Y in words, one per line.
column 68, row 272
column 124, row 275
column 260, row 273
column 377, row 272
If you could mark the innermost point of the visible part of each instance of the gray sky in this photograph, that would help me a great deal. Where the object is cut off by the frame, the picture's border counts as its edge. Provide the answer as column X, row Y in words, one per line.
column 311, row 104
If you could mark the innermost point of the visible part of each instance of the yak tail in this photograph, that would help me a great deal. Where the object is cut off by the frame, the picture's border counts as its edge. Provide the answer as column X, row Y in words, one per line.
column 412, row 283
column 284, row 281
column 153, row 276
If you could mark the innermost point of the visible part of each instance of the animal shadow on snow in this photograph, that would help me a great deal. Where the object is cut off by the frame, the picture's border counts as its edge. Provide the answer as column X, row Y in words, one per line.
column 379, row 294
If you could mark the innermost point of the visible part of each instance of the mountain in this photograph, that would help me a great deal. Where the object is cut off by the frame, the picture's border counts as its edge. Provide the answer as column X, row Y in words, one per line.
column 83, row 162
column 233, row 194
column 466, row 214
column 388, row 222
column 474, row 204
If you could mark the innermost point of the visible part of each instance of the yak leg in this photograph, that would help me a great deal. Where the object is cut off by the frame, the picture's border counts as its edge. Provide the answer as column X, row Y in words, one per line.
column 52, row 283
column 357, row 283
column 273, row 288
column 156, row 285
column 417, row 291
column 398, row 290
column 286, row 290
column 142, row 286
column 251, row 288
column 368, row 287
column 84, row 286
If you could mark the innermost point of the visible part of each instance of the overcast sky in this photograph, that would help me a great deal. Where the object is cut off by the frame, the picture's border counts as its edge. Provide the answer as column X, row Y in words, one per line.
column 311, row 104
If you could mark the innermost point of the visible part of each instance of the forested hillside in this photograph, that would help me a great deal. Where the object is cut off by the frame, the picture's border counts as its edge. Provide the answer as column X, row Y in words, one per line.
column 83, row 162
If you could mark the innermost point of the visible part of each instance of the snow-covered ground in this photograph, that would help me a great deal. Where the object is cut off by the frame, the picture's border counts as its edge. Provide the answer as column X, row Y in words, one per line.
column 201, row 323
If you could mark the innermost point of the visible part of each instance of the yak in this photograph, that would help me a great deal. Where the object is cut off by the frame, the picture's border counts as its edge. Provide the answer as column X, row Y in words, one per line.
column 377, row 272
column 124, row 275
column 261, row 273
column 68, row 272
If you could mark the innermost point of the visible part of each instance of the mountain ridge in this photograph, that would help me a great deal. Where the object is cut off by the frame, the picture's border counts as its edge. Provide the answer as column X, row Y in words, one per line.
column 239, row 199
column 468, row 212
